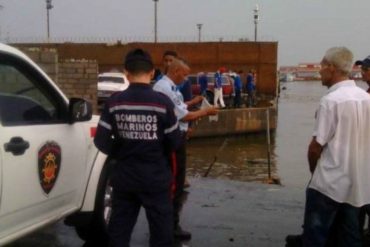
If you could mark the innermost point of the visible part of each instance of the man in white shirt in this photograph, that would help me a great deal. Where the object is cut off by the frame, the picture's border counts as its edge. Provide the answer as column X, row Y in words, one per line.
column 338, row 156
column 218, row 97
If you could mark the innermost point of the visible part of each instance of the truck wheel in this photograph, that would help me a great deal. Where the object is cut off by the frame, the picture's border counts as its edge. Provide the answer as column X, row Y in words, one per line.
column 97, row 231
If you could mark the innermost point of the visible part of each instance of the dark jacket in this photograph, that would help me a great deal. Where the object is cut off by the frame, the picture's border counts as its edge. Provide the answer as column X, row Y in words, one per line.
column 144, row 128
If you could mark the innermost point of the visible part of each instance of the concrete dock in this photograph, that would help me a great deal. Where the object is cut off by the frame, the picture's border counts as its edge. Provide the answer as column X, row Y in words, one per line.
column 236, row 121
column 219, row 213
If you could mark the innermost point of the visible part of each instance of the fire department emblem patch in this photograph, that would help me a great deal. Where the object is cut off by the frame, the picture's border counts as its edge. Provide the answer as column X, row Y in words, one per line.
column 49, row 162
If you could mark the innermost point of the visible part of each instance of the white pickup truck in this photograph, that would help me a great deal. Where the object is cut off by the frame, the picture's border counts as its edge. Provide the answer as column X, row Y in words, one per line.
column 49, row 166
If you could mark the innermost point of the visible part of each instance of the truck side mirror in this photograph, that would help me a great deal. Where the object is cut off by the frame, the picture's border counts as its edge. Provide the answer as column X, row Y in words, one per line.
column 80, row 110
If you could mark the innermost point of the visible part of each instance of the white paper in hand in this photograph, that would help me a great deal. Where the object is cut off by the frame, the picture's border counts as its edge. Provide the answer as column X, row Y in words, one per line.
column 206, row 104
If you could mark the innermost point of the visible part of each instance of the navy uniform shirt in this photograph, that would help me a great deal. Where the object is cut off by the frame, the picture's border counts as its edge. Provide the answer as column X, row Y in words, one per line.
column 144, row 128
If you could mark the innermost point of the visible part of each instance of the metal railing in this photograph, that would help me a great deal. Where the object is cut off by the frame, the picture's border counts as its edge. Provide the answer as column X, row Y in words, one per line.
column 127, row 39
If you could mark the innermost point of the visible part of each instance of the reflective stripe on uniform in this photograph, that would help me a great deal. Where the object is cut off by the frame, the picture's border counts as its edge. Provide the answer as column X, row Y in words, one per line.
column 105, row 124
column 172, row 128
column 138, row 107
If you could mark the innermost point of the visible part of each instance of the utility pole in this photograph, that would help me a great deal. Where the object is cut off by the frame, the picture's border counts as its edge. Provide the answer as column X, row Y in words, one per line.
column 1, row 7
column 199, row 25
column 49, row 6
column 155, row 21
column 256, row 19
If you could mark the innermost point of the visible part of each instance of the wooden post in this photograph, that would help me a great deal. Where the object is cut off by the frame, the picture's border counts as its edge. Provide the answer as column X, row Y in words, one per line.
column 268, row 142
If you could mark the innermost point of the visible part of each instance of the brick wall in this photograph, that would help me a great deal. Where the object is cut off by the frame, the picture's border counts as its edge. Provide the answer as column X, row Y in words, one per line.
column 202, row 56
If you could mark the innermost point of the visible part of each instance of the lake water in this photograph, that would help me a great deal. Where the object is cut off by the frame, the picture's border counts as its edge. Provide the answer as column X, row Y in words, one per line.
column 244, row 157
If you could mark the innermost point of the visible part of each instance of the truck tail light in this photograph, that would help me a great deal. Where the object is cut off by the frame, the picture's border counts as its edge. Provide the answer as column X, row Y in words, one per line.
column 92, row 131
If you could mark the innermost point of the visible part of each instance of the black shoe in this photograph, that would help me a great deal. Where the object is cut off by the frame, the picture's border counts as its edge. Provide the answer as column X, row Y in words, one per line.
column 293, row 241
column 180, row 234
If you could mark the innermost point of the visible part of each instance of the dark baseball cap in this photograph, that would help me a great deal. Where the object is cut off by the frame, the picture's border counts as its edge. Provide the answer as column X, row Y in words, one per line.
column 365, row 62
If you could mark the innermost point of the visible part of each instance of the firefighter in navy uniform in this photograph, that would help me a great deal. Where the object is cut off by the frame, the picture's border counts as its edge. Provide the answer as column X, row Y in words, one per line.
column 144, row 128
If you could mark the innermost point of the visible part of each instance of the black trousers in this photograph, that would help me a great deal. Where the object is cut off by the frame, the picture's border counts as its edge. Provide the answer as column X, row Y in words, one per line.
column 365, row 210
column 180, row 195
column 237, row 99
column 125, row 210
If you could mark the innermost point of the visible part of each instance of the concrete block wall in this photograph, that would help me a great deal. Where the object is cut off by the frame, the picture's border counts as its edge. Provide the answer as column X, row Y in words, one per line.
column 46, row 58
column 78, row 78
column 75, row 77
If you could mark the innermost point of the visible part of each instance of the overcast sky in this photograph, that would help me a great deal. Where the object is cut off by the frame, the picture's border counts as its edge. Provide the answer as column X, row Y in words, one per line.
column 303, row 28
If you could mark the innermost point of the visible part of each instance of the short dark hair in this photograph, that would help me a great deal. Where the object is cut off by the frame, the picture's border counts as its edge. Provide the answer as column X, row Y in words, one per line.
column 170, row 53
column 138, row 61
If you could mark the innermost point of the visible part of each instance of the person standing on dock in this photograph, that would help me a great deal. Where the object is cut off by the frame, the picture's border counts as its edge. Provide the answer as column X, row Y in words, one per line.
column 167, row 59
column 177, row 71
column 338, row 157
column 185, row 87
column 145, row 128
column 251, row 89
column 218, row 95
column 203, row 83
column 237, row 88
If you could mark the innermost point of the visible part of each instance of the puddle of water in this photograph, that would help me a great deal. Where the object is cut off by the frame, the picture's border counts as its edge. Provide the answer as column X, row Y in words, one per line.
column 242, row 157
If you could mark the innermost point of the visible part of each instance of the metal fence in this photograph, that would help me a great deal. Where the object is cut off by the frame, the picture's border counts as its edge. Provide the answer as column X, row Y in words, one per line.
column 127, row 39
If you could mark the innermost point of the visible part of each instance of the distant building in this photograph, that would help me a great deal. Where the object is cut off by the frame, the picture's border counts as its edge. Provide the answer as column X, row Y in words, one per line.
column 310, row 72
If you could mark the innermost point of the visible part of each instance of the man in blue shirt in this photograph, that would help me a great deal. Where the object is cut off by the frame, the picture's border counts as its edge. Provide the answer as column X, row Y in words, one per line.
column 144, row 128
column 167, row 58
column 203, row 82
column 251, row 89
column 177, row 71
column 237, row 89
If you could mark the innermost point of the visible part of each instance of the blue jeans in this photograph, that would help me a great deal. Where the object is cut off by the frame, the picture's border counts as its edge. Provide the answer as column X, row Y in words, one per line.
column 320, row 214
